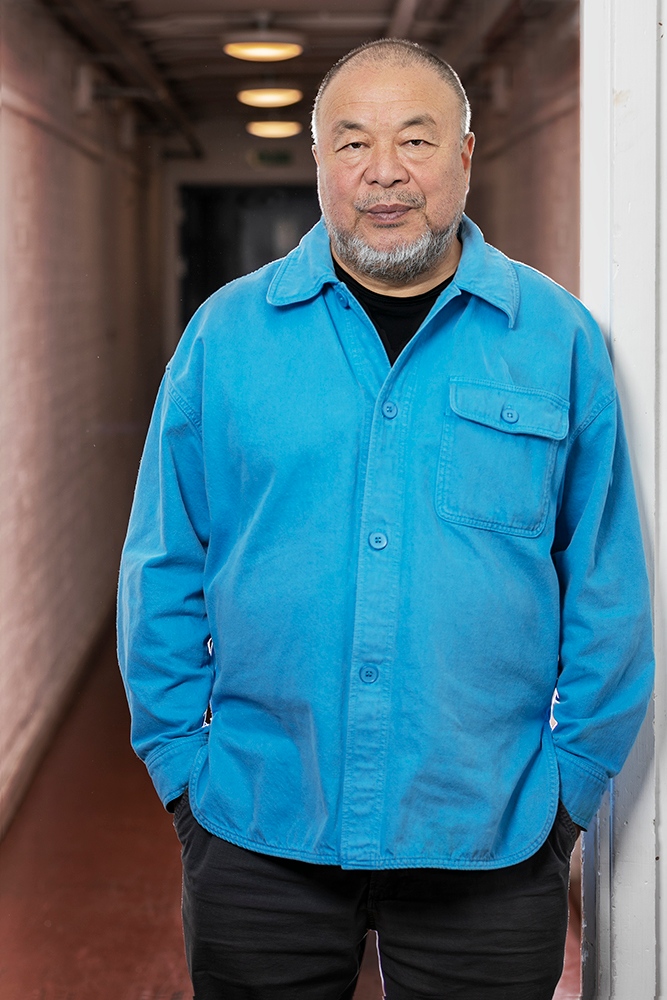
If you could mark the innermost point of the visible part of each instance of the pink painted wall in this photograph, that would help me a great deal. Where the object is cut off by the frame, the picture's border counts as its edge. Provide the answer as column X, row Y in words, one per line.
column 78, row 365
column 525, row 182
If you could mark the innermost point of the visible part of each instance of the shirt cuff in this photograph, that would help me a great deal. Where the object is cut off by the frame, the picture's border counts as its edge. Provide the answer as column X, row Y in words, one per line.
column 582, row 786
column 170, row 765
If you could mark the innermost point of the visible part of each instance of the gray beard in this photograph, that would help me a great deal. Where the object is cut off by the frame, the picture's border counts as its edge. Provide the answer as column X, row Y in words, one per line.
column 401, row 265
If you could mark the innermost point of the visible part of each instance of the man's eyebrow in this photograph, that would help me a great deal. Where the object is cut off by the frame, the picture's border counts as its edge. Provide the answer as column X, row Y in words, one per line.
column 424, row 119
column 344, row 126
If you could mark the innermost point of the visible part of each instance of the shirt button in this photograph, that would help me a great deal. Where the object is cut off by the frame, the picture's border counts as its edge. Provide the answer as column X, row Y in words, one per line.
column 389, row 409
column 510, row 415
column 342, row 298
column 369, row 674
column 377, row 540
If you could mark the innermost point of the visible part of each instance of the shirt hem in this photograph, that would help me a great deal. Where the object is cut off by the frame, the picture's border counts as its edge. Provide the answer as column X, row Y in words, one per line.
column 376, row 863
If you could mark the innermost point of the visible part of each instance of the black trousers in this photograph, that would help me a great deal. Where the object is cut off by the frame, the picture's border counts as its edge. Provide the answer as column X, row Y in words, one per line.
column 258, row 927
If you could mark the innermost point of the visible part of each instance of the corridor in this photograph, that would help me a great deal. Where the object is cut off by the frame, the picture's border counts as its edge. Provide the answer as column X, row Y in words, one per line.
column 132, row 184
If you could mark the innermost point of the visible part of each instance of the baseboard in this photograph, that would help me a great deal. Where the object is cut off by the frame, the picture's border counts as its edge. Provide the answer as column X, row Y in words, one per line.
column 44, row 725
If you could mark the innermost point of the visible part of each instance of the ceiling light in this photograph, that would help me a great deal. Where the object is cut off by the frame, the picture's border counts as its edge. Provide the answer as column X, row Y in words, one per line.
column 263, row 46
column 274, row 129
column 269, row 97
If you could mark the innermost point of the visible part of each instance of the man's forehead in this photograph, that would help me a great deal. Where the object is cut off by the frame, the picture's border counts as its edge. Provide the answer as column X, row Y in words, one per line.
column 366, row 89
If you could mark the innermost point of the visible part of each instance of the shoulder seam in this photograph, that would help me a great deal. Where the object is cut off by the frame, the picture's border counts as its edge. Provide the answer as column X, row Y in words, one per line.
column 593, row 415
column 182, row 403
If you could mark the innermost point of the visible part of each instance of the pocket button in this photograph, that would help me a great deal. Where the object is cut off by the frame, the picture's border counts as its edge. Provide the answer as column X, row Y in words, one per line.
column 509, row 415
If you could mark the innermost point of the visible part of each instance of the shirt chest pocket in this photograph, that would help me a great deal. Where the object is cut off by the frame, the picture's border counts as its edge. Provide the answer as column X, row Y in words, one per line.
column 497, row 455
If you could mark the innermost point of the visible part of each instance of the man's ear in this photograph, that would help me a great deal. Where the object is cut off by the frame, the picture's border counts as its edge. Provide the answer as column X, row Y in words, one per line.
column 314, row 152
column 466, row 156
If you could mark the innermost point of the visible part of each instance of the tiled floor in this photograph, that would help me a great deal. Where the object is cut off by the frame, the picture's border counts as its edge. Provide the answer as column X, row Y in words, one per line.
column 90, row 870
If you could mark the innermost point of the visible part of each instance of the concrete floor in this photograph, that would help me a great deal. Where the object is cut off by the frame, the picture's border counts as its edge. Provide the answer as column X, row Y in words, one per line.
column 90, row 871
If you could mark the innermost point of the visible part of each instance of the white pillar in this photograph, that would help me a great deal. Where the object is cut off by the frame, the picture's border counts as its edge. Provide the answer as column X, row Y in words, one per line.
column 622, row 280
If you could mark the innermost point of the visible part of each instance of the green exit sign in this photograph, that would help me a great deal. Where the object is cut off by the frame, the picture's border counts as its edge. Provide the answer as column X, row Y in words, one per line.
column 270, row 157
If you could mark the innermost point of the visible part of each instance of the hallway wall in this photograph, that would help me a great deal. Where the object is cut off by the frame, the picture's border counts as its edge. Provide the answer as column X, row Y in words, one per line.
column 525, row 104
column 79, row 357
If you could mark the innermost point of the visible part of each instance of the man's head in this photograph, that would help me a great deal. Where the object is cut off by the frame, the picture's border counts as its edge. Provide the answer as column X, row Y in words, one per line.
column 393, row 149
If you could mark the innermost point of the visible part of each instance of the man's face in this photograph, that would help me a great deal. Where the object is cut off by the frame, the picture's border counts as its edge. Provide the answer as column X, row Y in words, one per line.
column 392, row 171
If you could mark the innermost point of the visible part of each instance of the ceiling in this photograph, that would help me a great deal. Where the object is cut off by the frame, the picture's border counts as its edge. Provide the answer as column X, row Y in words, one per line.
column 183, row 39
column 172, row 48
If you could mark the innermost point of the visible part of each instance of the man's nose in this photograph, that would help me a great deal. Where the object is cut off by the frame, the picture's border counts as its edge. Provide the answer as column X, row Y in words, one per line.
column 385, row 167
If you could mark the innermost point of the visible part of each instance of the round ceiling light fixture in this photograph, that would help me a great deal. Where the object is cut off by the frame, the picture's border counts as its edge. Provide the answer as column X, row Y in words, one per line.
column 264, row 96
column 263, row 45
column 274, row 129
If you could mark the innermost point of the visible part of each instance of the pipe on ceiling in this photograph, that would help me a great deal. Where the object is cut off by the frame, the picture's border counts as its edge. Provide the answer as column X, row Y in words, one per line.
column 128, row 61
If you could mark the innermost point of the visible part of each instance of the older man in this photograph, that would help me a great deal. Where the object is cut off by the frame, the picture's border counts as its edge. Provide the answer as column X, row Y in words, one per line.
column 385, row 510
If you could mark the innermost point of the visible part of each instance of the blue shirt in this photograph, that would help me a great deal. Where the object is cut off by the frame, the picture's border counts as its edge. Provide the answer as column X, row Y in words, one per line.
column 377, row 577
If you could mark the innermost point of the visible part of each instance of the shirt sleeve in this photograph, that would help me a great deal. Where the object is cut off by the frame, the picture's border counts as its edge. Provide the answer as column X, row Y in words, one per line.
column 606, row 657
column 162, row 624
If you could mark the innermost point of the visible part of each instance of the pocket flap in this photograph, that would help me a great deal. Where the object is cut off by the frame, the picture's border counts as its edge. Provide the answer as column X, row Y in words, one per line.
column 510, row 408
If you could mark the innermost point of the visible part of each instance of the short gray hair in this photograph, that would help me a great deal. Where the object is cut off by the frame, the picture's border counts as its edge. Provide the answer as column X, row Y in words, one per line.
column 404, row 53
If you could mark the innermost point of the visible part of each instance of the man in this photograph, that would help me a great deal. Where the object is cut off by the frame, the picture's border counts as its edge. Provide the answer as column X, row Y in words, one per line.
column 385, row 509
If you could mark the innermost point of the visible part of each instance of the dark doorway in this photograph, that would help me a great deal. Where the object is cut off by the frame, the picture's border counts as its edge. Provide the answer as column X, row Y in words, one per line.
column 229, row 231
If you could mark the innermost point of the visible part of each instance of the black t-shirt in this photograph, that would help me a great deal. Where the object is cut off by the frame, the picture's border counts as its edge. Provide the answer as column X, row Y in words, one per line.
column 395, row 318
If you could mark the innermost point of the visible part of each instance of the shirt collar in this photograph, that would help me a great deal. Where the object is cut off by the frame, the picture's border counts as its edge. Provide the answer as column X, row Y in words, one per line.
column 483, row 271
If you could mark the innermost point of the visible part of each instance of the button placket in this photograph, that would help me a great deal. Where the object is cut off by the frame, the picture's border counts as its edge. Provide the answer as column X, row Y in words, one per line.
column 376, row 613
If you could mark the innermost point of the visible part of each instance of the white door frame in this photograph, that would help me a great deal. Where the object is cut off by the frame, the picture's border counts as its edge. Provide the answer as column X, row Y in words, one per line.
column 623, row 181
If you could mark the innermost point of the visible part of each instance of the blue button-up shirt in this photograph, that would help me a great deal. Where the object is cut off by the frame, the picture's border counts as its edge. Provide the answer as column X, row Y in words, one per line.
column 375, row 578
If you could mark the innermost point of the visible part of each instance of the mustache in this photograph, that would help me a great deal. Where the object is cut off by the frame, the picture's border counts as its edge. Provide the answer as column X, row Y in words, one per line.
column 404, row 198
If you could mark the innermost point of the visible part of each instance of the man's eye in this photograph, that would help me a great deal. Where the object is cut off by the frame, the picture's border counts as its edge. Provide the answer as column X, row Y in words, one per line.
column 417, row 142
column 354, row 145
